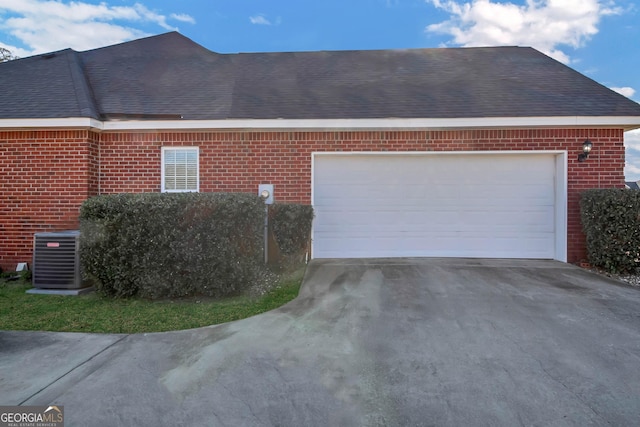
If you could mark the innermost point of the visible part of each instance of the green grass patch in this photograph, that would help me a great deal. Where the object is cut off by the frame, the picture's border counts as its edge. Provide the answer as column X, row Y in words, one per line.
column 93, row 313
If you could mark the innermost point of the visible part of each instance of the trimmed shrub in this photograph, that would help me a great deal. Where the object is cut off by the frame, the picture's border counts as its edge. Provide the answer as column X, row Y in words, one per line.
column 611, row 224
column 172, row 245
column 291, row 226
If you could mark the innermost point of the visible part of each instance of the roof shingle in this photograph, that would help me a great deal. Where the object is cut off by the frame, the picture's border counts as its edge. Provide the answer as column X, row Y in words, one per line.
column 171, row 76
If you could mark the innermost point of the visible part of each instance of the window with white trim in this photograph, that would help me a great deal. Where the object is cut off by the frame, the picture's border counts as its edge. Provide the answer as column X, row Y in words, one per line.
column 180, row 169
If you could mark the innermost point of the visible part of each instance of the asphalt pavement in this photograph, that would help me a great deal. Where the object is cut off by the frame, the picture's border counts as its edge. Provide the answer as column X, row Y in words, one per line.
column 389, row 342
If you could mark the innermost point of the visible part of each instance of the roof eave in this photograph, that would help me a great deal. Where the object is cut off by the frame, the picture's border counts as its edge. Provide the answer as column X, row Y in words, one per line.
column 617, row 122
column 50, row 123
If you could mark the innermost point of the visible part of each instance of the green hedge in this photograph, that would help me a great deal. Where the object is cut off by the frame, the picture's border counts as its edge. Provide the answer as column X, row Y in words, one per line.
column 611, row 224
column 172, row 245
column 291, row 226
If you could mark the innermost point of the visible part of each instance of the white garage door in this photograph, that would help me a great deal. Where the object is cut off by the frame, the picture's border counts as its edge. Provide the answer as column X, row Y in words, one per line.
column 442, row 205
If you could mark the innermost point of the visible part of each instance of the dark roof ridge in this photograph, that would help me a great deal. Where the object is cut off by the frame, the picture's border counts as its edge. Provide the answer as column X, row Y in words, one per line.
column 44, row 55
column 169, row 34
column 398, row 49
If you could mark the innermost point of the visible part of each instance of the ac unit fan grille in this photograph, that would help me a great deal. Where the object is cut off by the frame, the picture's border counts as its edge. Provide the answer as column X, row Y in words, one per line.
column 56, row 261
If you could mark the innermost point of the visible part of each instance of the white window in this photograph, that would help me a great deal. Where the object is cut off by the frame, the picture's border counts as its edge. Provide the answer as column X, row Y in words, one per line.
column 180, row 169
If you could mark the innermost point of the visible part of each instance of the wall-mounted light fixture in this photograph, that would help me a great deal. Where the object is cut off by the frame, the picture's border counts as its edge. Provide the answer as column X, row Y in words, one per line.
column 586, row 149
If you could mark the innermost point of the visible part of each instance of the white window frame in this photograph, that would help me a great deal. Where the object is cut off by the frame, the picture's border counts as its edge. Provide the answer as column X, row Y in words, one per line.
column 163, row 188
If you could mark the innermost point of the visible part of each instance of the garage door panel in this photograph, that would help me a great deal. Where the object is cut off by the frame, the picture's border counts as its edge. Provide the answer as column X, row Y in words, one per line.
column 434, row 205
column 415, row 220
column 440, row 247
column 437, row 197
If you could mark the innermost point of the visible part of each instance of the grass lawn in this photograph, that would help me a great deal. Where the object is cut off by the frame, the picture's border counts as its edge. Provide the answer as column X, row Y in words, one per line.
column 92, row 313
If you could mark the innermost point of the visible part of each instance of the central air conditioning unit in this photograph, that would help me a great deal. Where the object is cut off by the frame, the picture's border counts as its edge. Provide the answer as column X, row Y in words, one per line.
column 56, row 260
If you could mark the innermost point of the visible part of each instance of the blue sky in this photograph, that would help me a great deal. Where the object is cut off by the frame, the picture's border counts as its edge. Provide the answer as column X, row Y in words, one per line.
column 599, row 38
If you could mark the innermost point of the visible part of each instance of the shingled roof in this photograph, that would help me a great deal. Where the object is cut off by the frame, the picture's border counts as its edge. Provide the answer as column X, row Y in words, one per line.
column 169, row 76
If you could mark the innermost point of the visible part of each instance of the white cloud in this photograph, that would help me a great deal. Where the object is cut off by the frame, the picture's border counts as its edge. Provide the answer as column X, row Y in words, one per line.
column 259, row 20
column 543, row 24
column 183, row 18
column 626, row 91
column 632, row 166
column 48, row 25
column 632, row 140
column 631, row 172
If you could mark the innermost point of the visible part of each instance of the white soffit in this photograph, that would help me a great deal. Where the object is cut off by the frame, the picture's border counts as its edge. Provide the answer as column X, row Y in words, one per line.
column 625, row 122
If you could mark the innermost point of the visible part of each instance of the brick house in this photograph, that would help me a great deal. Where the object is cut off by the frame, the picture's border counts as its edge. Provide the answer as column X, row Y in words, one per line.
column 467, row 152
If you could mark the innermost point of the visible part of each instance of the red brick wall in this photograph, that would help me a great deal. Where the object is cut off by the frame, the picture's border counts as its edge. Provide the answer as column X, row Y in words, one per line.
column 44, row 177
column 130, row 163
column 93, row 161
column 239, row 161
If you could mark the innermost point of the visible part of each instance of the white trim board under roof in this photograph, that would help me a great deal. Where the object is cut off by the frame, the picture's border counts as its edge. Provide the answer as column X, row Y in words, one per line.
column 624, row 122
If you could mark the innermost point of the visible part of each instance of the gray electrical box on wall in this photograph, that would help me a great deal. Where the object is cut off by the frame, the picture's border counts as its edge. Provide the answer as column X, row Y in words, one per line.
column 56, row 260
column 266, row 192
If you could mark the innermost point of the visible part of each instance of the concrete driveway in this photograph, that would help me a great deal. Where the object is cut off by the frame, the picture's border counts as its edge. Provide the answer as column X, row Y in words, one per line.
column 417, row 342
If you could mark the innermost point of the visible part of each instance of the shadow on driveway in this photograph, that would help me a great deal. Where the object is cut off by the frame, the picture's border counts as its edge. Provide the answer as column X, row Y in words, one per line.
column 392, row 342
